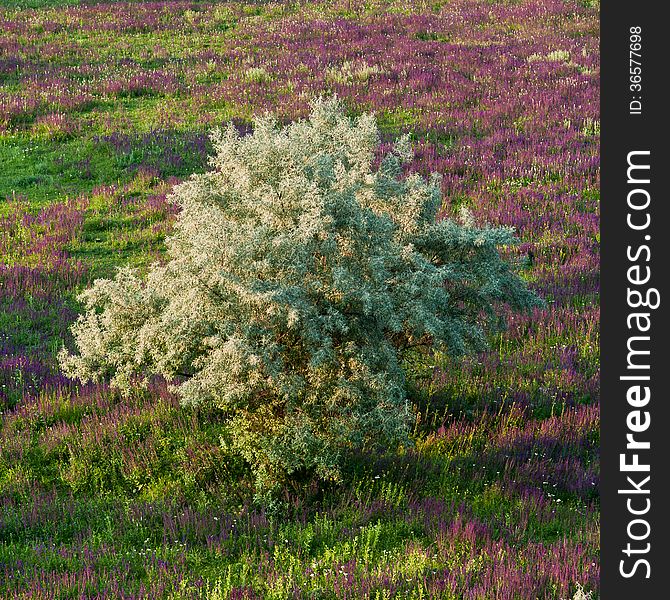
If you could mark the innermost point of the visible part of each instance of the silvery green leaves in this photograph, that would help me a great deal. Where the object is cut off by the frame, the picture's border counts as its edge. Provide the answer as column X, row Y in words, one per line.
column 298, row 277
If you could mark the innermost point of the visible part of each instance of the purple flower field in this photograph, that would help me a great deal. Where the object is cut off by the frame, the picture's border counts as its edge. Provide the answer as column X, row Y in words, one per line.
column 104, row 107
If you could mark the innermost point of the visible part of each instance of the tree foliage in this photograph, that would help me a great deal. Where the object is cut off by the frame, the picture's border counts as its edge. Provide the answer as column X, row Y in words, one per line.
column 298, row 277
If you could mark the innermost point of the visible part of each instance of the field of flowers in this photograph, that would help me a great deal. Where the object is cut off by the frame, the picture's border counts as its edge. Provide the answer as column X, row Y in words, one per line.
column 104, row 107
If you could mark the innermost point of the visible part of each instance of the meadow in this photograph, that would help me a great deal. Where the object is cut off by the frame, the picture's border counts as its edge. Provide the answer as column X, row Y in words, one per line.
column 104, row 107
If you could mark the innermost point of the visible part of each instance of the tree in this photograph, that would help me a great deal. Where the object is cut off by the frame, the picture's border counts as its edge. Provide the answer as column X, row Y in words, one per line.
column 299, row 277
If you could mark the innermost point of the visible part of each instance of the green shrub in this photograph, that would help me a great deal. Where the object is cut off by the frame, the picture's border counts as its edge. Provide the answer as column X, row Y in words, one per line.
column 299, row 278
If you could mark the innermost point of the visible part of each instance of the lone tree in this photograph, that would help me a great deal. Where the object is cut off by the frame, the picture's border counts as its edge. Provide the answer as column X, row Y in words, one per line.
column 298, row 279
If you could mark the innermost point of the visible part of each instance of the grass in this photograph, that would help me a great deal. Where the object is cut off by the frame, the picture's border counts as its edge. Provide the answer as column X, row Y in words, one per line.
column 136, row 497
column 45, row 170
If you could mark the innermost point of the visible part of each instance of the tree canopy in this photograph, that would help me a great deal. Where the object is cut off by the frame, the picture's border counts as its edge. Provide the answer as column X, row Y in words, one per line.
column 298, row 277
